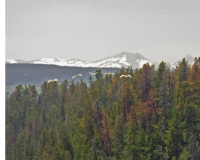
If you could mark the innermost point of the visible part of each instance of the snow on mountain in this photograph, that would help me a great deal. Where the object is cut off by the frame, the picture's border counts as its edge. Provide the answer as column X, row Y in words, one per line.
column 123, row 59
column 11, row 61
column 188, row 58
column 17, row 61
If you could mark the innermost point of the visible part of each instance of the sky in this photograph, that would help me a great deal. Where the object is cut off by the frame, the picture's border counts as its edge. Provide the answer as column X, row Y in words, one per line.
column 160, row 30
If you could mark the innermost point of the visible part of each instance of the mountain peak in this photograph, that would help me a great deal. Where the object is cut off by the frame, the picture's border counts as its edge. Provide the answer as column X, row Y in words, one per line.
column 189, row 57
column 123, row 59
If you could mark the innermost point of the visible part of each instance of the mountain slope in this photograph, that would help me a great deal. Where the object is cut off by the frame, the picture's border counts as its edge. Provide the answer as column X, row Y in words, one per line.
column 123, row 59
column 188, row 58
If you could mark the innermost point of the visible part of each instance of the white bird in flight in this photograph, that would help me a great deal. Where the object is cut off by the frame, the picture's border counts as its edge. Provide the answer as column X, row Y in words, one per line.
column 77, row 76
column 125, row 76
column 93, row 73
column 54, row 80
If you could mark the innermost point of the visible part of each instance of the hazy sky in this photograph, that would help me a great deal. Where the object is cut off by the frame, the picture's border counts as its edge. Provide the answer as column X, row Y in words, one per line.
column 89, row 30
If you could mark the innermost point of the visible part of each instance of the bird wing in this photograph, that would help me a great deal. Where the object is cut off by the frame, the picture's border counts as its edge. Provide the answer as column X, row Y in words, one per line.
column 73, row 77
column 49, row 81
column 91, row 73
column 128, row 76
column 121, row 76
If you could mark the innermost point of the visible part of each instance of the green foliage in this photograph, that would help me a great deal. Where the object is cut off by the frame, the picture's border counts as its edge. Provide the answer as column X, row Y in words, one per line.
column 153, row 115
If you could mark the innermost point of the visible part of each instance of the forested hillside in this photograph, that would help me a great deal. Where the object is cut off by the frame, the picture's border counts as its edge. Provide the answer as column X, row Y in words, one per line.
column 36, row 74
column 155, row 115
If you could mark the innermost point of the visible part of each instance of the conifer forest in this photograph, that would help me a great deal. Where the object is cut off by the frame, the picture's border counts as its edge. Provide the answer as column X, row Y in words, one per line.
column 152, row 115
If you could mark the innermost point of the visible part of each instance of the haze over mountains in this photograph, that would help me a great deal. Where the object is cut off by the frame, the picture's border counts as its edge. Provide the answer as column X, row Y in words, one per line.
column 123, row 59
column 35, row 72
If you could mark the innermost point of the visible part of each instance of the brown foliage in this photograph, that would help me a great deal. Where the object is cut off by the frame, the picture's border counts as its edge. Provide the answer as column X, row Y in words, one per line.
column 131, row 115
column 105, row 134
column 149, row 112
column 194, row 73
column 145, row 82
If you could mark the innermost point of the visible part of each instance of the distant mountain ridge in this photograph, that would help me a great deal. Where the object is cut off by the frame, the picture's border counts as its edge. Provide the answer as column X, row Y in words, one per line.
column 123, row 59
column 188, row 58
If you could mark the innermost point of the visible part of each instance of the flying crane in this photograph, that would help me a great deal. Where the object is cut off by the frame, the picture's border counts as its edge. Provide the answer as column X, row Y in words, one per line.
column 93, row 73
column 54, row 80
column 77, row 76
column 125, row 76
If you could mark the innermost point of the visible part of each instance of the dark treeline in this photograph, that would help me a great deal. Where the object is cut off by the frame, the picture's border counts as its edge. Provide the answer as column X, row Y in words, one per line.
column 155, row 115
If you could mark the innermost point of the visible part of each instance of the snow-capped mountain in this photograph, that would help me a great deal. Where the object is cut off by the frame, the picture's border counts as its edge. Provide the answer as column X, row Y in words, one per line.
column 188, row 58
column 123, row 59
